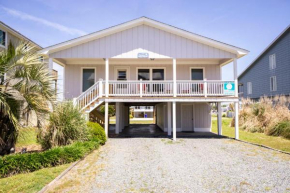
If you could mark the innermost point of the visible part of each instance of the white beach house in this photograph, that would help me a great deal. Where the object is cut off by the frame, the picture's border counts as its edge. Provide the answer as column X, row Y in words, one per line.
column 144, row 61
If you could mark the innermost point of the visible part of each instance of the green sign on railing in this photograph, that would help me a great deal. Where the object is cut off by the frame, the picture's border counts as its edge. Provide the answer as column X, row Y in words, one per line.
column 229, row 88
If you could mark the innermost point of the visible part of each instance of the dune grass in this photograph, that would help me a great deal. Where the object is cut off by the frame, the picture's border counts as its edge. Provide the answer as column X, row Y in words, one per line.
column 259, row 138
column 31, row 182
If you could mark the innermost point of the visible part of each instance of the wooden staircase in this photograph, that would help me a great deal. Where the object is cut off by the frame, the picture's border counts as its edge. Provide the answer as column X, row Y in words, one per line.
column 91, row 98
column 97, row 116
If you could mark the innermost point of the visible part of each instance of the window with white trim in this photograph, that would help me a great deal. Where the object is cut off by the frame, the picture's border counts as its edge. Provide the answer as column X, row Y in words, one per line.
column 273, row 83
column 249, row 87
column 2, row 38
column 122, row 74
column 272, row 61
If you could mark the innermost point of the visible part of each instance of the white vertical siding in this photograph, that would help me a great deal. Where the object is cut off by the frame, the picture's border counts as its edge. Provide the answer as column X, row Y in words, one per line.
column 143, row 38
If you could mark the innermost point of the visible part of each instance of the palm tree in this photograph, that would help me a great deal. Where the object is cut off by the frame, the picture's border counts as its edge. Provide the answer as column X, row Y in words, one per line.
column 28, row 87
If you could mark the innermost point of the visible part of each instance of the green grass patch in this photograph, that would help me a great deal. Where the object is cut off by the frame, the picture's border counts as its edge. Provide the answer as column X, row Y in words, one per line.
column 259, row 138
column 31, row 182
column 27, row 136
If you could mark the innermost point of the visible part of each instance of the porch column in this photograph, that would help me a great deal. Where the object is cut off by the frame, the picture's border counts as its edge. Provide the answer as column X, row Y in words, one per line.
column 169, row 118
column 107, row 77
column 174, row 119
column 236, row 120
column 107, row 119
column 219, row 118
column 235, row 68
column 117, row 127
column 174, row 77
column 50, row 64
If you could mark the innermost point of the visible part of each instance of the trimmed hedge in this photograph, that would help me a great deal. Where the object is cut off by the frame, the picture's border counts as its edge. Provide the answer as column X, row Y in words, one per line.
column 23, row 163
column 96, row 132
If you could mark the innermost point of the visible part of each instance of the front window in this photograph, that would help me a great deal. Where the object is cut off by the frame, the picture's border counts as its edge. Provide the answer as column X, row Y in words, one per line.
column 158, row 74
column 122, row 75
column 88, row 78
column 197, row 74
column 2, row 38
column 144, row 74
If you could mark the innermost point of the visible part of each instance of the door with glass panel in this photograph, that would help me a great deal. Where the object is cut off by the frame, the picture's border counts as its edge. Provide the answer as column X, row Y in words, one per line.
column 122, row 88
column 157, row 75
column 144, row 75
column 197, row 75
column 88, row 78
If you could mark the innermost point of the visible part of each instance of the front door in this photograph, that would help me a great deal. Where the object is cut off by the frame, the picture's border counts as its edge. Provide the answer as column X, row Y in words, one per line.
column 187, row 122
column 88, row 78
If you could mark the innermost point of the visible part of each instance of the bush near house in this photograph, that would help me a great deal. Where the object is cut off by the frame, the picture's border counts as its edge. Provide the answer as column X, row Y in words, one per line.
column 269, row 115
column 29, row 162
column 66, row 125
column 96, row 133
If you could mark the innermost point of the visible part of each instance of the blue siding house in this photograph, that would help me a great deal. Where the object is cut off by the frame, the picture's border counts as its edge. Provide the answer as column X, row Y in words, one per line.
column 269, row 73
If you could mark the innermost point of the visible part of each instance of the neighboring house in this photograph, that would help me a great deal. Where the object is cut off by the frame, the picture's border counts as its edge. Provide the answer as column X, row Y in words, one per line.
column 268, row 75
column 146, row 61
column 9, row 35
column 142, row 111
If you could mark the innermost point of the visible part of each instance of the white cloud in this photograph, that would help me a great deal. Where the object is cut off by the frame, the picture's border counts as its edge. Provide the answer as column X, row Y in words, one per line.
column 62, row 28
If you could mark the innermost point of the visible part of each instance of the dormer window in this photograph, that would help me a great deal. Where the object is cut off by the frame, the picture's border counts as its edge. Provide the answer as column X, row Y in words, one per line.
column 2, row 38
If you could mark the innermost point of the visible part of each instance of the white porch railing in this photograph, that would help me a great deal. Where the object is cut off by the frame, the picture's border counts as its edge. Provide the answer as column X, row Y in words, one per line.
column 203, row 88
column 141, row 88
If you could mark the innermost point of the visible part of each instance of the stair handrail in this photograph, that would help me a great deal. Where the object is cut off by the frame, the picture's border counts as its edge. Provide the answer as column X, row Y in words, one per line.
column 88, row 97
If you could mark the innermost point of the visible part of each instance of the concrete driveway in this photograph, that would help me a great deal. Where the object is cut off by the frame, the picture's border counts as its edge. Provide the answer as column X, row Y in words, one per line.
column 188, row 165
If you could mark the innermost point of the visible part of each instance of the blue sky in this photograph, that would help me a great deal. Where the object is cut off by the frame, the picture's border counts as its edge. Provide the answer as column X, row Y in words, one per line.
column 251, row 24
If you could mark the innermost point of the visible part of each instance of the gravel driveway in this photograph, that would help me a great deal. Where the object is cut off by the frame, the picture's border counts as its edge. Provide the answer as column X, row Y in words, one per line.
column 188, row 165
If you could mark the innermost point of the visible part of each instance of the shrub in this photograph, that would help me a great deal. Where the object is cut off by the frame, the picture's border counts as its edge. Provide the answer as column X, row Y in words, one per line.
column 281, row 129
column 264, row 115
column 22, row 163
column 66, row 125
column 224, row 115
column 96, row 132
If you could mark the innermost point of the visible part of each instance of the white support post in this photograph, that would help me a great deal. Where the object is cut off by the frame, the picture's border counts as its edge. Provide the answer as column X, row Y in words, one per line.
column 141, row 88
column 100, row 87
column 174, row 78
column 169, row 118
column 219, row 117
column 205, row 88
column 236, row 120
column 174, row 119
column 107, row 119
column 50, row 64
column 107, row 77
column 235, row 68
column 117, row 127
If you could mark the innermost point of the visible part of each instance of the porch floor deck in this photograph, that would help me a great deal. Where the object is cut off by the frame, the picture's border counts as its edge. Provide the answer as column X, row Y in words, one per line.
column 153, row 131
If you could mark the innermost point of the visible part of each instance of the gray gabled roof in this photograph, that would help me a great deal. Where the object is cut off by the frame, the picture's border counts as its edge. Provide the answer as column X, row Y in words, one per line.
column 265, row 50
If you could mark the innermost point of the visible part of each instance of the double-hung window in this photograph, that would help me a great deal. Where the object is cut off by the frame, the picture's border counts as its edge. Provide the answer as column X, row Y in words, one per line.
column 2, row 38
column 273, row 83
column 249, row 88
column 272, row 61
